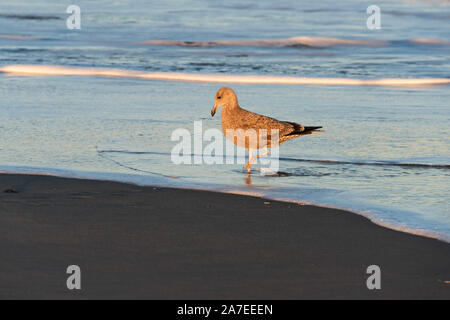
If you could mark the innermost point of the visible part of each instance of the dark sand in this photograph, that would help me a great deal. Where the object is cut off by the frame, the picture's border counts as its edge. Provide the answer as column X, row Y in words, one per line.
column 144, row 242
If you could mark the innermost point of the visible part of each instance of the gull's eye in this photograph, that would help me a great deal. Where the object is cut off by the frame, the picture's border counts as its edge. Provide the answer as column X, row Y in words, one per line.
column 219, row 97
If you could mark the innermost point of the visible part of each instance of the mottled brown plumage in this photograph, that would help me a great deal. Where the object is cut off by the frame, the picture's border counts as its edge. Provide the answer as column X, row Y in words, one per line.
column 251, row 130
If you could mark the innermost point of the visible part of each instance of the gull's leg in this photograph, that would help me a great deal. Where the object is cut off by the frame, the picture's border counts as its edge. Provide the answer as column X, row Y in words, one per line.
column 250, row 160
column 266, row 152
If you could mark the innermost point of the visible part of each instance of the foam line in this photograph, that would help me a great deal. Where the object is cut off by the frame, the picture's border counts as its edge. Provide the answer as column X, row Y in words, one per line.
column 48, row 70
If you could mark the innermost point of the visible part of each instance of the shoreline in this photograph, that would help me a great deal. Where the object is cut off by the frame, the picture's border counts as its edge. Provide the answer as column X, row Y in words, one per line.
column 165, row 243
column 99, row 176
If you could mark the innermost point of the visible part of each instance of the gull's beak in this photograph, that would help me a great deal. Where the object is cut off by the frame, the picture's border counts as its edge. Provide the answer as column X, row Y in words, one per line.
column 214, row 109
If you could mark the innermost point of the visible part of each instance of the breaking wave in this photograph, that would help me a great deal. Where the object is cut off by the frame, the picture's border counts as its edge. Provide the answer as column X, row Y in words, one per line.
column 294, row 42
column 48, row 70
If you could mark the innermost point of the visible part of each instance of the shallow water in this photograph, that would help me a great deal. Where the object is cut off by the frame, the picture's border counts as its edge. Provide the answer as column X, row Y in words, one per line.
column 386, row 148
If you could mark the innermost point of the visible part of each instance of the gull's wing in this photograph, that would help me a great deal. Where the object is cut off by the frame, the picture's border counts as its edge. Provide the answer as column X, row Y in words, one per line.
column 251, row 120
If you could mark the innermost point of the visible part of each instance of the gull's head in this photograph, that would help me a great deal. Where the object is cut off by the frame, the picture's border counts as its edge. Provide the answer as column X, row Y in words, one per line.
column 225, row 98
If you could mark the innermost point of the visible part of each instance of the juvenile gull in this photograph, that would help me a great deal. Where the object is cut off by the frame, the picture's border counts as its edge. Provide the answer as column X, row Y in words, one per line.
column 238, row 125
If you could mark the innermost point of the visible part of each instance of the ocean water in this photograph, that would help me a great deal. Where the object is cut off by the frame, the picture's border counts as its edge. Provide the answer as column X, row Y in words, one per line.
column 103, row 101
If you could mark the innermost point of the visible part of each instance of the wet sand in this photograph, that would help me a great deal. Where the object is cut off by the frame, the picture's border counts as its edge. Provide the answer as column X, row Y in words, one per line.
column 159, row 243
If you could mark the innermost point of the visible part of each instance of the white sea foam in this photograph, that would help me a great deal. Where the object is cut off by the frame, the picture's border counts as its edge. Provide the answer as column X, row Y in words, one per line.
column 47, row 70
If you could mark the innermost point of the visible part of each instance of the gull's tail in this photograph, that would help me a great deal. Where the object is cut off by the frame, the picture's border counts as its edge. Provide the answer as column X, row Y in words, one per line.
column 309, row 130
column 300, row 130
